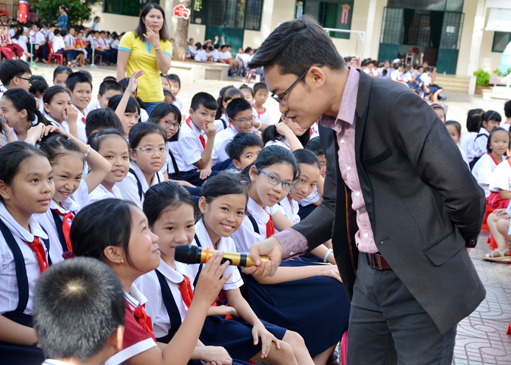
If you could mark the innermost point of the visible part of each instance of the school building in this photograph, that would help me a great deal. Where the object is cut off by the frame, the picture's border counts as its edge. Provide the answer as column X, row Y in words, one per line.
column 457, row 36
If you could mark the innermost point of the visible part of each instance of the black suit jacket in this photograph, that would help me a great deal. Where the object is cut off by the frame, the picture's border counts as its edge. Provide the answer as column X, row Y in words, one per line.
column 422, row 201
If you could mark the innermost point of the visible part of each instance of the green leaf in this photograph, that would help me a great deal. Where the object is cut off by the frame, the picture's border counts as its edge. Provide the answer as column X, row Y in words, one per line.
column 78, row 13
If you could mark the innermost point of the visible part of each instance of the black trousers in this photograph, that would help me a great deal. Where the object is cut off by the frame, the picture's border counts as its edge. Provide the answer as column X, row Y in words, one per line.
column 388, row 325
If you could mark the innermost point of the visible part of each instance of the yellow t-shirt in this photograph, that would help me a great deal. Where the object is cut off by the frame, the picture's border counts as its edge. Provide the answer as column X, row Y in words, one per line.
column 142, row 57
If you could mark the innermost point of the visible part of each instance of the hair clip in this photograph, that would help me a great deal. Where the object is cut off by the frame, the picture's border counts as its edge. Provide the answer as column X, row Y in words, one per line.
column 68, row 138
column 68, row 255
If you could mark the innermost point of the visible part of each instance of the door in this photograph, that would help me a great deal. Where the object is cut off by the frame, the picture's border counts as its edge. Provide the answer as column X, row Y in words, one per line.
column 227, row 18
column 391, row 33
column 450, row 42
column 232, row 36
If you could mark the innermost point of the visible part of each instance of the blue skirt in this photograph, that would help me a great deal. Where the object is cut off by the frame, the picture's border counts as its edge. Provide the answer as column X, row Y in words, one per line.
column 317, row 308
column 235, row 336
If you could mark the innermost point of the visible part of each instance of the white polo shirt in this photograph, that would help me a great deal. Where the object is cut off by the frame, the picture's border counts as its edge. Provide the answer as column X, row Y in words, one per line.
column 101, row 193
column 221, row 141
column 129, row 186
column 188, row 149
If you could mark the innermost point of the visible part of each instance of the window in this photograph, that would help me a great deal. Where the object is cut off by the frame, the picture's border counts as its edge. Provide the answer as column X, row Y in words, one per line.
column 332, row 14
column 500, row 41
column 239, row 14
column 125, row 7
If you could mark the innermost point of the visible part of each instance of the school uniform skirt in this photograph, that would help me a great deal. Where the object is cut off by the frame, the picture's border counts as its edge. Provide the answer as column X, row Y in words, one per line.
column 317, row 308
column 235, row 335
column 496, row 202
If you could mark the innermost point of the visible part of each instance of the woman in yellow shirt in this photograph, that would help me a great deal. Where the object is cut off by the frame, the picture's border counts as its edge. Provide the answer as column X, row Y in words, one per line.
column 147, row 48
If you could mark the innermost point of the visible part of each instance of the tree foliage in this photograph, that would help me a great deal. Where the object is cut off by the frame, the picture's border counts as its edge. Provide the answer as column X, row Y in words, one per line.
column 79, row 11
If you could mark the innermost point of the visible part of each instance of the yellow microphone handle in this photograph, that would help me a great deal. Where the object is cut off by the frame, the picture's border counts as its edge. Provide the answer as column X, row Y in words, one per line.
column 236, row 259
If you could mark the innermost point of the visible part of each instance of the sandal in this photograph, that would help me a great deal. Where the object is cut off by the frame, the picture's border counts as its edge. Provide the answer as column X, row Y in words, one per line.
column 496, row 255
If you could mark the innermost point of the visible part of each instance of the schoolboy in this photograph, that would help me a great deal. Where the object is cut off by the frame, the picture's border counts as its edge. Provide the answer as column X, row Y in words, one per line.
column 190, row 50
column 241, row 120
column 244, row 149
column 431, row 90
column 175, row 88
column 100, row 119
column 80, row 88
column 260, row 97
column 194, row 148
column 79, row 309
column 105, row 47
column 15, row 74
column 39, row 41
column 507, row 113
column 107, row 89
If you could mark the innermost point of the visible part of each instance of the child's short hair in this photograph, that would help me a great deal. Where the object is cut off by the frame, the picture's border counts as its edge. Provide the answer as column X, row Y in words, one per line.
column 241, row 141
column 236, row 106
column 491, row 115
column 307, row 157
column 474, row 120
column 314, row 145
column 246, row 87
column 78, row 306
column 174, row 78
column 260, row 86
column 507, row 109
column 99, row 119
column 204, row 99
column 57, row 32
column 109, row 85
column 76, row 78
column 109, row 78
column 141, row 130
column 455, row 124
column 37, row 85
column 11, row 69
column 131, row 107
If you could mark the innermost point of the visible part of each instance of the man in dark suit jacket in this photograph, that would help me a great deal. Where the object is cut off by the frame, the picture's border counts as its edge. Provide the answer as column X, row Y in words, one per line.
column 399, row 203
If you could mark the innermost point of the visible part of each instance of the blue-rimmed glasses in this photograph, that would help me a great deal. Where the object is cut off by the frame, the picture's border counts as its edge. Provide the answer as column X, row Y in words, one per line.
column 274, row 180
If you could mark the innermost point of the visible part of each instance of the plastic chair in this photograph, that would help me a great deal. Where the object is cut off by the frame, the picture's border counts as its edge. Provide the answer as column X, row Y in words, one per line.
column 488, row 212
column 58, row 57
column 508, row 332
column 344, row 349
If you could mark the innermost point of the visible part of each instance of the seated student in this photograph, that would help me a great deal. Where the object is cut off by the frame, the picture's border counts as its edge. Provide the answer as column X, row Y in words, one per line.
column 60, row 75
column 175, row 87
column 80, row 51
column 226, row 57
column 201, row 55
column 107, row 89
column 410, row 77
column 227, row 94
column 439, row 110
column 454, row 129
column 59, row 111
column 191, row 51
column 24, row 247
column 432, row 91
column 502, row 253
column 244, row 149
column 498, row 144
column 397, row 74
column 15, row 74
column 260, row 97
column 58, row 44
column 38, row 87
column 98, row 51
column 490, row 120
column 193, row 151
column 215, row 54
column 473, row 125
column 241, row 119
column 116, row 232
column 103, row 44
column 39, row 41
column 507, row 113
column 97, row 322
column 80, row 88
column 286, row 133
column 8, row 42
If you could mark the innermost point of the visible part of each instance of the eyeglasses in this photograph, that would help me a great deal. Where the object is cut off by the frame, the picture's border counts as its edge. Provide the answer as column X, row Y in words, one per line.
column 24, row 78
column 280, row 98
column 170, row 124
column 274, row 180
column 244, row 121
column 150, row 151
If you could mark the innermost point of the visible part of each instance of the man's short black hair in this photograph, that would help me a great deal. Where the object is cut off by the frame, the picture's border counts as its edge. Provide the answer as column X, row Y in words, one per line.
column 77, row 78
column 99, row 119
column 236, row 106
column 507, row 109
column 11, row 69
column 297, row 45
column 109, row 85
column 78, row 304
column 241, row 141
column 174, row 78
column 204, row 99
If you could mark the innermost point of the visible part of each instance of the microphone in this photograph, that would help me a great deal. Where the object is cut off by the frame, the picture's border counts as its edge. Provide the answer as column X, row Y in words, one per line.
column 191, row 254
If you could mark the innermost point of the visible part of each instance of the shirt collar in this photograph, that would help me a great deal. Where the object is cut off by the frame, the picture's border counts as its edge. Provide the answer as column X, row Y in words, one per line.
column 135, row 297
column 68, row 205
column 18, row 230
column 260, row 214
column 169, row 273
column 55, row 362
column 140, row 176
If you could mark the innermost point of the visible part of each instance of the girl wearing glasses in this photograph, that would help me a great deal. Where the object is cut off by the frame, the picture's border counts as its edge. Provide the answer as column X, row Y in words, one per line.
column 147, row 154
column 301, row 291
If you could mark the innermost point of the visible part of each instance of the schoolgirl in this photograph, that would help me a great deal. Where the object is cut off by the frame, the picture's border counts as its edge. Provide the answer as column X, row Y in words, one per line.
column 20, row 111
column 114, row 148
column 454, row 129
column 287, row 134
column 26, row 188
column 171, row 211
column 295, row 296
column 491, row 119
column 131, row 113
column 226, row 95
column 60, row 75
column 147, row 154
column 473, row 125
column 67, row 155
column 116, row 232
column 497, row 145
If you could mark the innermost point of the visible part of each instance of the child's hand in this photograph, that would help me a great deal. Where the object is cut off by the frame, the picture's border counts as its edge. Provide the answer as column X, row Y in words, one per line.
column 331, row 271
column 53, row 129
column 355, row 62
column 266, row 338
column 499, row 212
column 216, row 355
column 70, row 114
column 5, row 128
column 210, row 130
column 204, row 173
column 35, row 133
column 133, row 84
column 210, row 279
column 283, row 128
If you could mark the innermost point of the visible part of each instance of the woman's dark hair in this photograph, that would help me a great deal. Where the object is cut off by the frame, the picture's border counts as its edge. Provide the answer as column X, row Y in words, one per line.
column 141, row 29
column 491, row 115
column 493, row 131
column 306, row 157
column 314, row 145
column 61, row 70
column 131, row 107
column 141, row 130
column 52, row 91
column 96, row 138
column 159, row 197
column 226, row 94
column 63, row 7
column 160, row 111
column 225, row 183
column 22, row 99
column 12, row 156
column 37, row 85
column 58, row 145
column 271, row 134
column 101, row 224
column 272, row 155
column 455, row 124
column 474, row 120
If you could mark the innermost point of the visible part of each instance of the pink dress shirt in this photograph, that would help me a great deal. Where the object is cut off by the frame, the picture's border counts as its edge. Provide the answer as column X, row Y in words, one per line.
column 294, row 242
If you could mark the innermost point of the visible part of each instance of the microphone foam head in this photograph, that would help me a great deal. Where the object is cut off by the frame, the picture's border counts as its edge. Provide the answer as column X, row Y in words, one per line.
column 185, row 253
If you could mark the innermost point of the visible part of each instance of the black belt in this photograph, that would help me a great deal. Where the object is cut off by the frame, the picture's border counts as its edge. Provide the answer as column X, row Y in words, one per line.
column 377, row 262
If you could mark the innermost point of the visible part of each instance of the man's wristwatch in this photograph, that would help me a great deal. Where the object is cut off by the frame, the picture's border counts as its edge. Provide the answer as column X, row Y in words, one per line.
column 471, row 242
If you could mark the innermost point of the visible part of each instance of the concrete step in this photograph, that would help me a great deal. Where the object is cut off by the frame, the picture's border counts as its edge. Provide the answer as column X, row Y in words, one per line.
column 455, row 84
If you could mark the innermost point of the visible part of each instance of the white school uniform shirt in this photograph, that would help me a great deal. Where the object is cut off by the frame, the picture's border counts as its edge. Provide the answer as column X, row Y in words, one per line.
column 407, row 77
column 4, row 137
column 38, row 38
column 245, row 236
column 77, row 200
column 191, row 51
column 279, row 142
column 12, row 32
column 179, row 103
column 215, row 55
column 501, row 177
column 426, row 79
column 64, row 125
column 58, row 44
column 55, row 362
column 188, row 149
column 201, row 56
column 22, row 42
column 50, row 36
column 155, row 308
column 134, row 299
column 101, row 193
column 115, row 44
column 396, row 75
column 465, row 158
column 478, row 147
column 225, row 244
column 169, row 166
column 264, row 117
column 221, row 141
column 225, row 55
column 219, row 123
column 9, row 295
column 80, row 125
column 102, row 43
column 69, row 40
column 290, row 208
column 143, row 115
column 466, row 141
column 483, row 171
column 311, row 199
column 129, row 186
